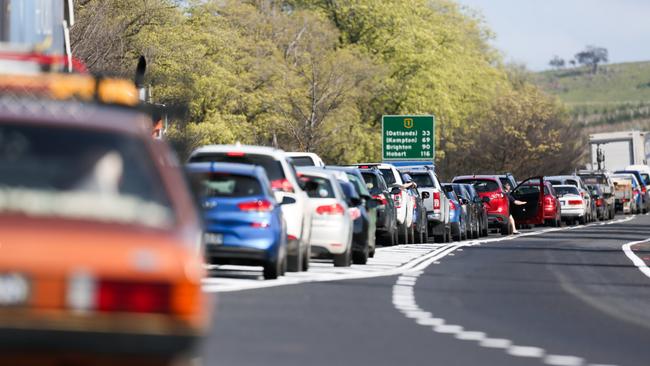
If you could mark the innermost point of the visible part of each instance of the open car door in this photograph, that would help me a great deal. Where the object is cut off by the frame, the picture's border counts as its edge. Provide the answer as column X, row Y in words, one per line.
column 530, row 191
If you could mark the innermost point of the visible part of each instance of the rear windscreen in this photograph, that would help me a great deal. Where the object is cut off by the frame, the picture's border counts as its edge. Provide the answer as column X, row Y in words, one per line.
column 481, row 185
column 389, row 177
column 593, row 179
column 359, row 185
column 561, row 191
column 422, row 180
column 372, row 182
column 272, row 167
column 302, row 161
column 323, row 190
column 226, row 185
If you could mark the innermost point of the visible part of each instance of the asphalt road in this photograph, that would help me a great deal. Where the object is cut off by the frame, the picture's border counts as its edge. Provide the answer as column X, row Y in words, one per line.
column 550, row 297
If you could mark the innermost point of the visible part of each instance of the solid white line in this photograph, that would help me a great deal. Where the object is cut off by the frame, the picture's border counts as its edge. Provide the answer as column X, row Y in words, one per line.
column 638, row 262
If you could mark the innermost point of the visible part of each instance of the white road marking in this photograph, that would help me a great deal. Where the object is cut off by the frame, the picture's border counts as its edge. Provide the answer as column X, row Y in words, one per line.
column 638, row 262
column 404, row 301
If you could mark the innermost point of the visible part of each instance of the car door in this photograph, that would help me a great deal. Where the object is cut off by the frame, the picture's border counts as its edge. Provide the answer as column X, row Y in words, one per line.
column 531, row 191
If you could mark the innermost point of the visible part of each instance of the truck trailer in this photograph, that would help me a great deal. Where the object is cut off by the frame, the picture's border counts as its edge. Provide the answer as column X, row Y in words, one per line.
column 619, row 149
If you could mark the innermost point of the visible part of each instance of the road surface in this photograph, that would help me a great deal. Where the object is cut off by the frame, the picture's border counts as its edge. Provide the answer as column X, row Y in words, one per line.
column 568, row 296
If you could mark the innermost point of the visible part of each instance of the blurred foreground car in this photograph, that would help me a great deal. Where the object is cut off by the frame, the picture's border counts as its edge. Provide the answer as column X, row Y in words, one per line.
column 100, row 237
column 243, row 222
column 284, row 182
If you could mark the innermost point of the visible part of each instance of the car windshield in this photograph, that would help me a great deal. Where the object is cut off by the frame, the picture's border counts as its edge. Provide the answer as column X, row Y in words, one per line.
column 481, row 185
column 323, row 189
column 562, row 190
column 80, row 174
column 272, row 167
column 227, row 185
column 389, row 177
column 302, row 161
column 422, row 180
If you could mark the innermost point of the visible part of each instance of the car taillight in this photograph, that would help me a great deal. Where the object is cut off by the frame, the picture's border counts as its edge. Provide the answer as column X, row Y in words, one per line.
column 282, row 184
column 291, row 237
column 382, row 200
column 436, row 200
column 260, row 225
column 599, row 202
column 237, row 154
column 133, row 297
column 355, row 213
column 398, row 200
column 643, row 190
column 575, row 202
column 334, row 209
column 636, row 191
column 452, row 205
column 257, row 206
column 548, row 201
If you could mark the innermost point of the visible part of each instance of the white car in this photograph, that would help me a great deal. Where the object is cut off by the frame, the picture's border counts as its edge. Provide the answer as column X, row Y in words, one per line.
column 583, row 190
column 284, row 182
column 572, row 206
column 404, row 205
column 331, row 235
column 435, row 200
column 305, row 159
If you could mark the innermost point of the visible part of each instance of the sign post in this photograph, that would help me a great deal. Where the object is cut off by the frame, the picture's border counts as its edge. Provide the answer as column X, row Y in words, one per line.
column 408, row 138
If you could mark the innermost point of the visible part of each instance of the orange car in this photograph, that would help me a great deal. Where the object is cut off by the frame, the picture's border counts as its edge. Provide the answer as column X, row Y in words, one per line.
column 99, row 237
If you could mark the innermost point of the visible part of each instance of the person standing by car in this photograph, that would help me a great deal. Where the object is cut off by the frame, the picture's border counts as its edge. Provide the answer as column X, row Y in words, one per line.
column 513, row 201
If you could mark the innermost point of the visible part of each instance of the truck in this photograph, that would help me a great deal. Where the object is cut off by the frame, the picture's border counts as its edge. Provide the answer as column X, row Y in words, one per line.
column 617, row 150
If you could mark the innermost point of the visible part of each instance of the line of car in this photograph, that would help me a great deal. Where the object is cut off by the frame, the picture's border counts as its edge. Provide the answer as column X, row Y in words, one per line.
column 280, row 210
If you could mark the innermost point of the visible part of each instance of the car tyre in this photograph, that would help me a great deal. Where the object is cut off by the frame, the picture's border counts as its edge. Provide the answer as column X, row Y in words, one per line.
column 361, row 257
column 506, row 229
column 305, row 259
column 343, row 259
column 294, row 262
column 402, row 234
column 272, row 270
column 582, row 220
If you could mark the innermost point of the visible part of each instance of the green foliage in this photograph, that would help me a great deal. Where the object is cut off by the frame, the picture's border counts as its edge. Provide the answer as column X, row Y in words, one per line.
column 316, row 75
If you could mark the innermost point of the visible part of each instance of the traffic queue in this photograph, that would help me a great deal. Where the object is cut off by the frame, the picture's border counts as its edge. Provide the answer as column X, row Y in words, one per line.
column 280, row 210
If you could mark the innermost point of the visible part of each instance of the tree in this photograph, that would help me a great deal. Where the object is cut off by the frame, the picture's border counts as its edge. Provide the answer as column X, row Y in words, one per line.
column 557, row 62
column 592, row 56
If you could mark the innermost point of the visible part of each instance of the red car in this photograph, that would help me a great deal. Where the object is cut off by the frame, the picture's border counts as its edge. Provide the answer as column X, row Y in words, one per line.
column 493, row 195
column 529, row 191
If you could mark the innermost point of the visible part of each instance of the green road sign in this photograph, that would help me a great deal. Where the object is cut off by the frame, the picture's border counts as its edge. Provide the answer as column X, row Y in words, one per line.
column 408, row 137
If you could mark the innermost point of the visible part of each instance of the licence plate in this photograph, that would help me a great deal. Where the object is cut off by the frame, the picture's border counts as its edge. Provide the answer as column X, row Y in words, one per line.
column 562, row 203
column 14, row 289
column 213, row 239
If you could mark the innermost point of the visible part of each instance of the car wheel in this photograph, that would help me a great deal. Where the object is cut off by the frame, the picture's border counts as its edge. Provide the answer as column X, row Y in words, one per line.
column 582, row 220
column 272, row 269
column 305, row 259
column 417, row 236
column 343, row 259
column 294, row 262
column 361, row 257
column 506, row 229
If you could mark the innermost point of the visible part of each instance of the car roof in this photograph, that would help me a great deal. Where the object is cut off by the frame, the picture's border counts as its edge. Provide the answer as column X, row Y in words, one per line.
column 235, row 168
column 490, row 177
column 248, row 149
column 75, row 114
column 564, row 186
column 314, row 171
column 377, row 165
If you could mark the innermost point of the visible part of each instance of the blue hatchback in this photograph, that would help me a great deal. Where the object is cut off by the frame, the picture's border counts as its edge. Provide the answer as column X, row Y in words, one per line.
column 243, row 222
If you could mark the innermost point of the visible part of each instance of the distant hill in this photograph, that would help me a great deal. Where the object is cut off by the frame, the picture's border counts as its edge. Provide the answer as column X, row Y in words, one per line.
column 616, row 97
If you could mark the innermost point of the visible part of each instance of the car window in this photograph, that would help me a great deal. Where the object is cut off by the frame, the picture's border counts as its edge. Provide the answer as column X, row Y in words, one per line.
column 504, row 180
column 389, row 177
column 324, row 187
column 81, row 174
column 481, row 185
column 562, row 190
column 227, row 185
column 423, row 180
column 302, row 161
column 272, row 167
column 571, row 182
column 372, row 182
column 646, row 178
column 527, row 189
column 358, row 184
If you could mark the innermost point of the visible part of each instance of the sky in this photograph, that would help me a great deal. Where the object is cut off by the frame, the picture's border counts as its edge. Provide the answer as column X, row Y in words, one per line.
column 533, row 31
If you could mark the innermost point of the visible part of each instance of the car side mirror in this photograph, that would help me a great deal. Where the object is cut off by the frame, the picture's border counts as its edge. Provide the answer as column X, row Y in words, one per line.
column 485, row 199
column 286, row 200
column 395, row 190
column 425, row 195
